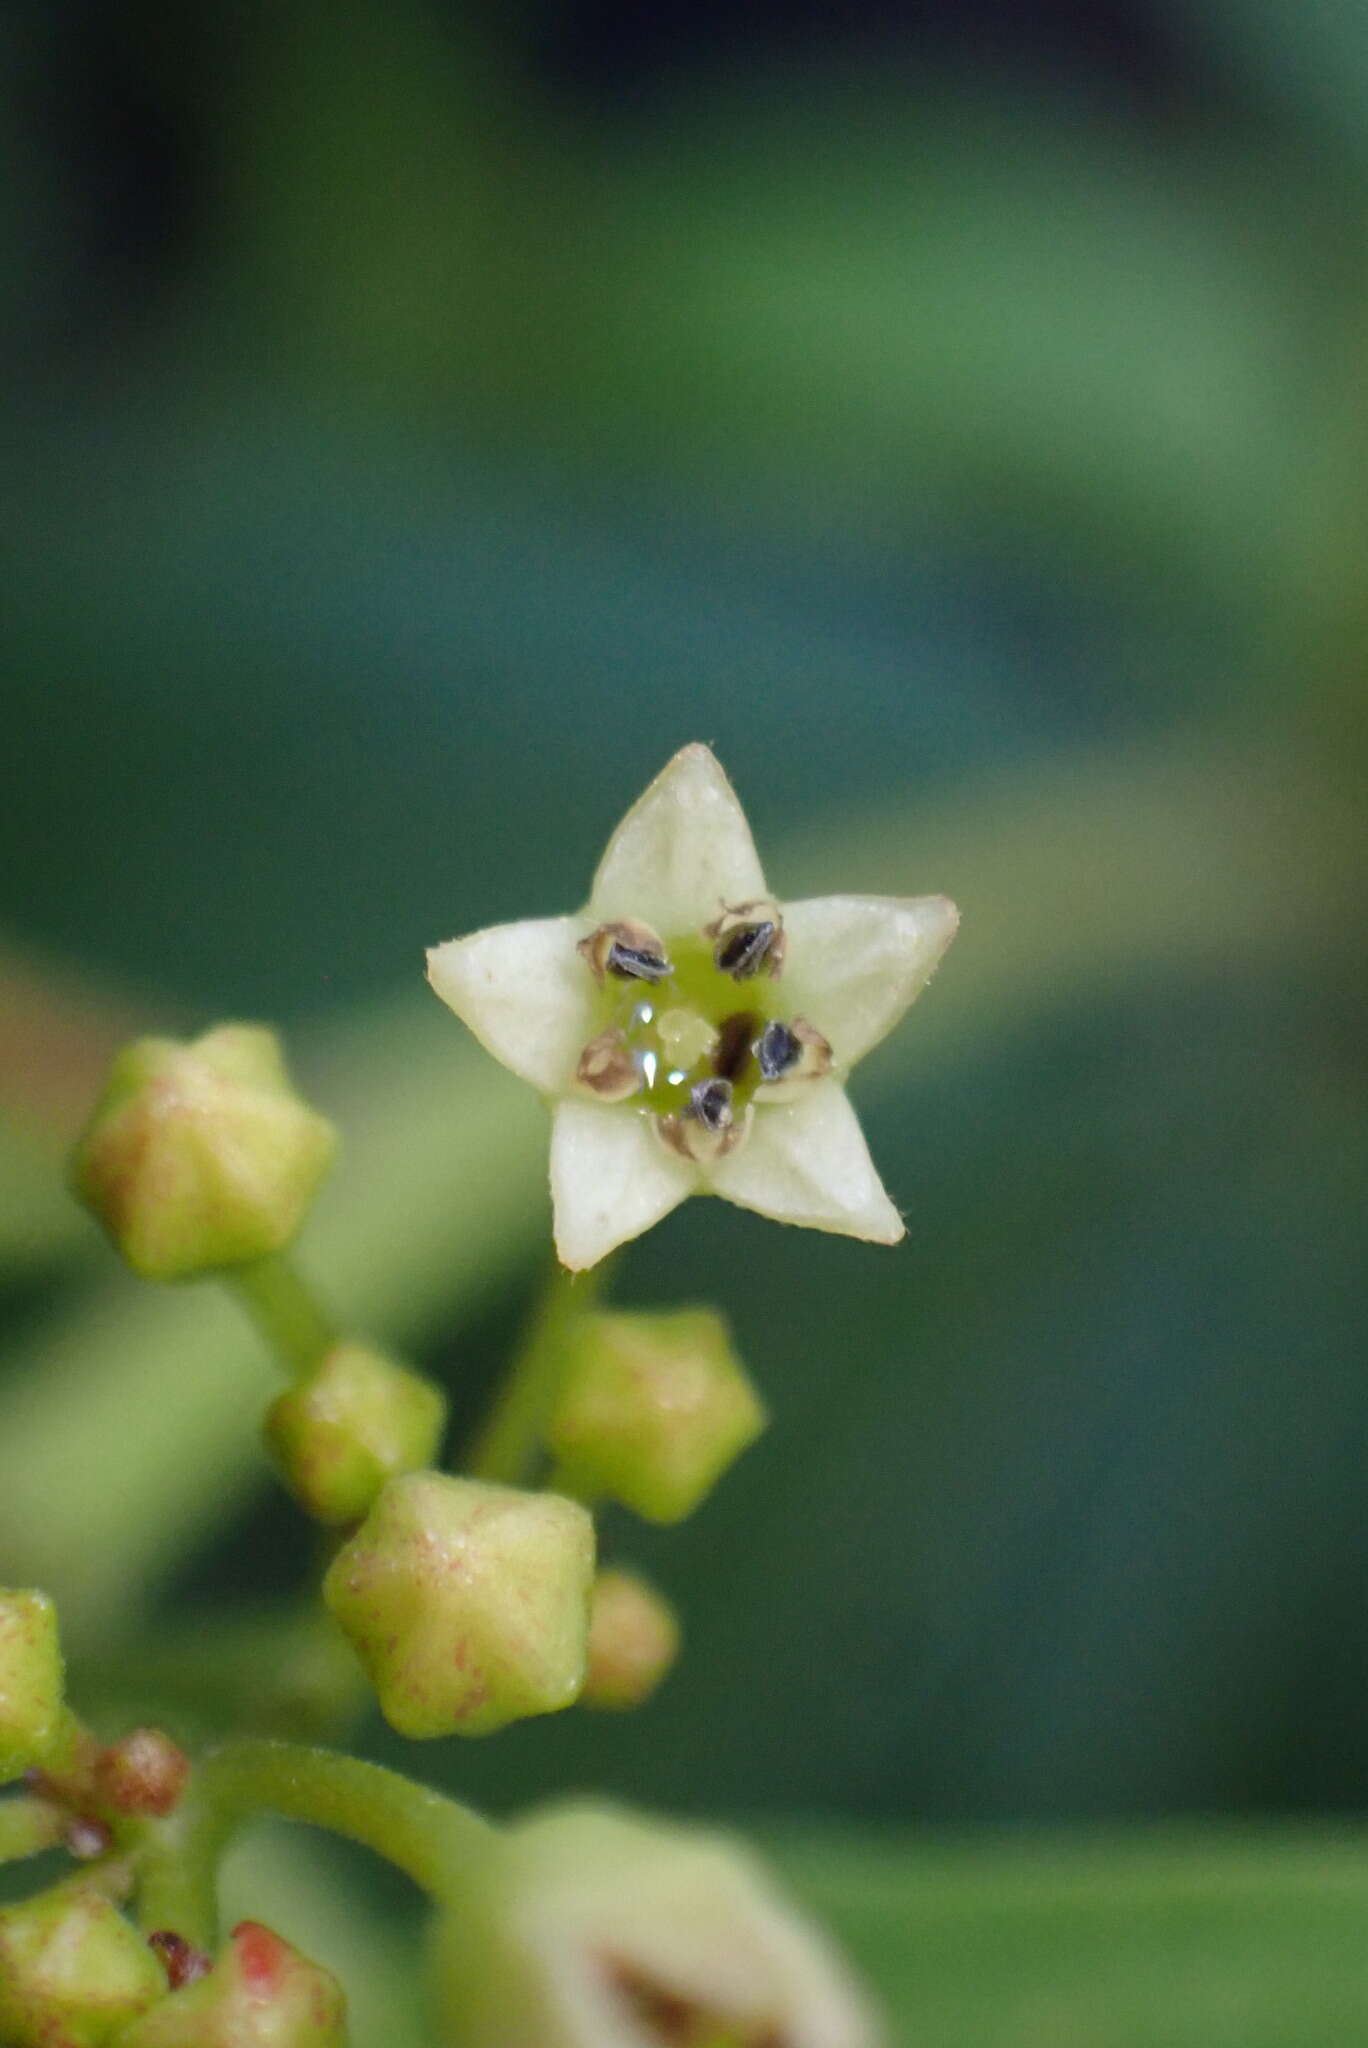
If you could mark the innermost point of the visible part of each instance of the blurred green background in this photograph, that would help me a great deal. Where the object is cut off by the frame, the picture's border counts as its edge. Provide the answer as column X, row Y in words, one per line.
column 417, row 421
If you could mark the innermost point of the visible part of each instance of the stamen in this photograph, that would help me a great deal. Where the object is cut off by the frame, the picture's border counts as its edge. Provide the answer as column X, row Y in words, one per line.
column 627, row 950
column 791, row 1054
column 607, row 1067
column 742, row 953
column 636, row 963
column 707, row 1127
column 710, row 1104
column 747, row 937
column 777, row 1051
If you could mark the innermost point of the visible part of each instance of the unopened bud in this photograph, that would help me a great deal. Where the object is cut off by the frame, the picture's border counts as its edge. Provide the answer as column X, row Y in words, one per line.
column 356, row 1421
column 145, row 1773
column 614, row 1932
column 468, row 1604
column 261, row 1993
column 652, row 1409
column 31, row 1680
column 633, row 1641
column 73, row 1971
column 201, row 1156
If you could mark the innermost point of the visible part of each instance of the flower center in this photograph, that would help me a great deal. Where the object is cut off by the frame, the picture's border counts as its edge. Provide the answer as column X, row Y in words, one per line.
column 689, row 1027
column 695, row 1025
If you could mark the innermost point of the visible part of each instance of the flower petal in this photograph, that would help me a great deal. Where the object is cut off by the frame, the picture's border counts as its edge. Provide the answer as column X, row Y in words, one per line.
column 524, row 992
column 856, row 963
column 611, row 1178
column 682, row 851
column 807, row 1162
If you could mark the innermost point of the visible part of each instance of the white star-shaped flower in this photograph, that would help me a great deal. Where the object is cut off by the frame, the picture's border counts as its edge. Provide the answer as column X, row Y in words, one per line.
column 693, row 1035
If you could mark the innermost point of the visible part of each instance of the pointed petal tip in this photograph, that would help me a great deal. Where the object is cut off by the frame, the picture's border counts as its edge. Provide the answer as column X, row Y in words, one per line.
column 432, row 960
column 521, row 989
column 682, row 849
column 696, row 751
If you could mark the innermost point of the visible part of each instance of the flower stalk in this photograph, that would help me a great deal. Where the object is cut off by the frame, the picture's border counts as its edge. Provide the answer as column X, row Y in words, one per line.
column 444, row 1847
column 286, row 1310
column 508, row 1444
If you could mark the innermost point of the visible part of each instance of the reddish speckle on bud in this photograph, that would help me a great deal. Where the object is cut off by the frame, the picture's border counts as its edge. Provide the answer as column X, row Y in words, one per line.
column 73, row 1971
column 200, row 1157
column 261, row 1957
column 259, row 1993
column 183, row 1963
column 467, row 1603
column 145, row 1773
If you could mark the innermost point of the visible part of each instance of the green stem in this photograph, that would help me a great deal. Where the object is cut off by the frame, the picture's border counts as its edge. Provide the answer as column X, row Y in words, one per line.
column 441, row 1845
column 506, row 1447
column 286, row 1311
column 28, row 1825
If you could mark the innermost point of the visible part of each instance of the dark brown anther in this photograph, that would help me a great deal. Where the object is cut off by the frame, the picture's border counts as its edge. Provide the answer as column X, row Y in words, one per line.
column 747, row 937
column 628, row 951
column 742, row 953
column 183, row 1963
column 707, row 1127
column 86, row 1838
column 636, row 963
column 710, row 1104
column 792, row 1054
column 731, row 1055
column 777, row 1051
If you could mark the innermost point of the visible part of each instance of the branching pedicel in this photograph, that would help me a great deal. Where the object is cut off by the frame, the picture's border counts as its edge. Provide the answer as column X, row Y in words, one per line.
column 693, row 1035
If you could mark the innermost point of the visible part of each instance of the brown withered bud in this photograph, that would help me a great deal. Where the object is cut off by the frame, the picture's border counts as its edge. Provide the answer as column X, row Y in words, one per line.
column 145, row 1773
column 746, row 938
column 183, row 1963
column 627, row 950
column 792, row 1052
column 607, row 1069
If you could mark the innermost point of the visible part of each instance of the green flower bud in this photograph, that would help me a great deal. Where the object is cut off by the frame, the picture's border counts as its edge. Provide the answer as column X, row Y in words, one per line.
column 606, row 1931
column 633, row 1641
column 30, row 1681
column 261, row 1993
column 356, row 1421
column 651, row 1410
column 201, row 1156
column 72, row 1971
column 468, row 1604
